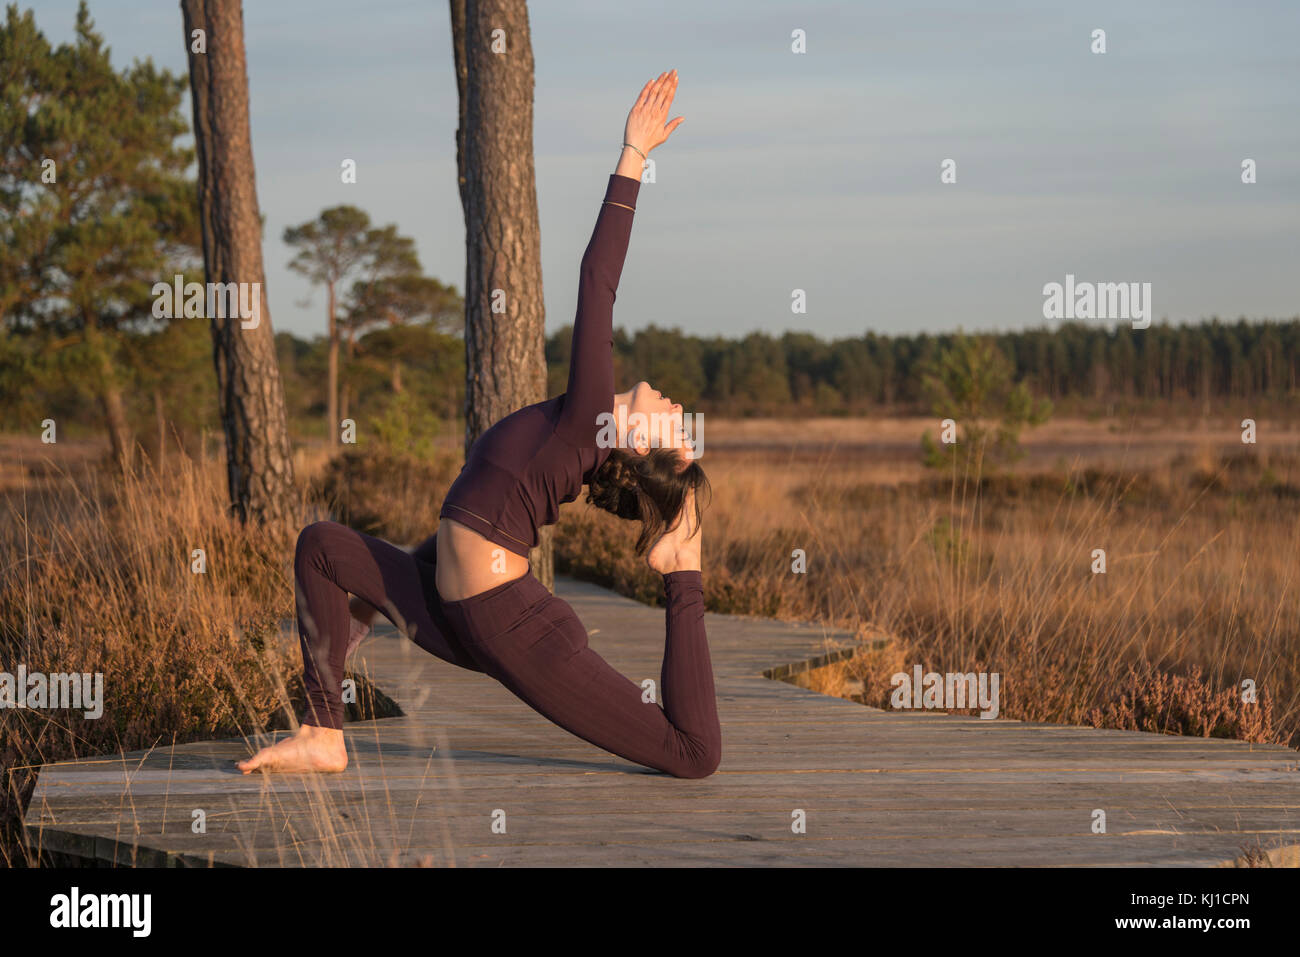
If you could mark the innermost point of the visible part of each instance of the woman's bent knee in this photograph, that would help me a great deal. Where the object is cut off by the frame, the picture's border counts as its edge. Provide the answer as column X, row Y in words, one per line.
column 701, row 764
column 313, row 539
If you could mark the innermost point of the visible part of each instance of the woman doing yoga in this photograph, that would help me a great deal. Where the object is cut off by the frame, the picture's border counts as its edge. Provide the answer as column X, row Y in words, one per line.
column 467, row 594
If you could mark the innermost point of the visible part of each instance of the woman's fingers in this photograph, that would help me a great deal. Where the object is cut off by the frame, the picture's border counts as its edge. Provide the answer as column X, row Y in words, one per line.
column 654, row 92
column 661, row 85
column 645, row 95
column 655, row 84
column 645, row 92
column 667, row 87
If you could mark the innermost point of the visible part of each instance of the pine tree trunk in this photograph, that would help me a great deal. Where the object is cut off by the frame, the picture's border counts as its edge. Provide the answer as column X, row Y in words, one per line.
column 505, row 366
column 259, row 463
column 119, row 431
column 345, row 399
column 332, row 400
column 109, row 392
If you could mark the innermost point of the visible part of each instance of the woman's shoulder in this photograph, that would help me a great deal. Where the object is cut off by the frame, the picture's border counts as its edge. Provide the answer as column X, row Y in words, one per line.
column 516, row 437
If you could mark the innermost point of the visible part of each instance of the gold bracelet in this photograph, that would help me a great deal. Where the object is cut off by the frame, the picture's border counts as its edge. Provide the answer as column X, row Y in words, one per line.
column 612, row 203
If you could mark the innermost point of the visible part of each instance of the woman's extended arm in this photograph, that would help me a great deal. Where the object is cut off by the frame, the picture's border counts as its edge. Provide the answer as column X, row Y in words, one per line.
column 591, row 357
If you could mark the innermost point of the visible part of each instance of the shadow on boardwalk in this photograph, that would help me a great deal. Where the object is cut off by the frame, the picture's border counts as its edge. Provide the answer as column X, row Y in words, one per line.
column 875, row 788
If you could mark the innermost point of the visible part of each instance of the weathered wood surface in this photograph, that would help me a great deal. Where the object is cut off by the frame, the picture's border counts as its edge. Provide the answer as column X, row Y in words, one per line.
column 877, row 788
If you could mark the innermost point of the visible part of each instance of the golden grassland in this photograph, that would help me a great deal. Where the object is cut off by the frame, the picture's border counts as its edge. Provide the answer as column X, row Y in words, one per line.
column 959, row 573
column 98, row 577
column 1201, row 535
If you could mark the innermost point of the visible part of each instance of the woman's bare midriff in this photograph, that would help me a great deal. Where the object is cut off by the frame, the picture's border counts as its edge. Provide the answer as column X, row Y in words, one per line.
column 469, row 564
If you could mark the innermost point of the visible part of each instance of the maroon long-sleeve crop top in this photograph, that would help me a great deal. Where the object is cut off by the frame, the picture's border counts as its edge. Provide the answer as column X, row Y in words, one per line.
column 520, row 471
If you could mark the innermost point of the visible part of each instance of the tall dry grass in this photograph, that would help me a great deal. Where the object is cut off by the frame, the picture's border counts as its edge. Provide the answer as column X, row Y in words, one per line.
column 965, row 573
column 98, row 577
column 995, row 574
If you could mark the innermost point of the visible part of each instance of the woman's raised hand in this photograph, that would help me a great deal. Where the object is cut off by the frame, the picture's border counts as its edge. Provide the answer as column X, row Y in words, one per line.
column 647, row 123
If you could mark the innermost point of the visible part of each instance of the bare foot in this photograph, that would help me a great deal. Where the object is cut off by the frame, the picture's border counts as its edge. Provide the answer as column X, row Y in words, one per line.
column 309, row 749
column 678, row 549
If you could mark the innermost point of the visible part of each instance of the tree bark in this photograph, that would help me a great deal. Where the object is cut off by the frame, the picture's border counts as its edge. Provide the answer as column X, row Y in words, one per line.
column 345, row 390
column 332, row 400
column 259, row 463
column 505, row 366
column 109, row 392
column 119, row 430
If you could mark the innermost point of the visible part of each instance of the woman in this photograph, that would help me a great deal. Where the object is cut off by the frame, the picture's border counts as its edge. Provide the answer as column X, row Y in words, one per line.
column 467, row 594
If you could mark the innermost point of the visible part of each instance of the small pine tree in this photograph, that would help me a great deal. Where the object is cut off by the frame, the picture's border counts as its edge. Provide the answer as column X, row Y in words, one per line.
column 971, row 383
column 403, row 426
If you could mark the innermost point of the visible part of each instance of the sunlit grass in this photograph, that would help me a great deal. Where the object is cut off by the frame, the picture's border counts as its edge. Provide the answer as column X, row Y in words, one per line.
column 1202, row 543
column 100, row 576
column 1202, row 548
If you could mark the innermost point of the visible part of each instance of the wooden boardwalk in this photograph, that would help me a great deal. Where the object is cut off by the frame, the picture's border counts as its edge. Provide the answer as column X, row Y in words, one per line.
column 876, row 788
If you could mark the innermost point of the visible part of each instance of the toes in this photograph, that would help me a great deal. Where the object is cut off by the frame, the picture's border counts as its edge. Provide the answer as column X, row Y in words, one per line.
column 249, row 765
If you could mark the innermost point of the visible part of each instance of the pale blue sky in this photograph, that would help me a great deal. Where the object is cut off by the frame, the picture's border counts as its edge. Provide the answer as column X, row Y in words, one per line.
column 817, row 171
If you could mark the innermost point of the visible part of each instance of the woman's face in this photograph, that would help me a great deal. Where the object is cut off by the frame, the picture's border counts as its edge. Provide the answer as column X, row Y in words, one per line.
column 660, row 416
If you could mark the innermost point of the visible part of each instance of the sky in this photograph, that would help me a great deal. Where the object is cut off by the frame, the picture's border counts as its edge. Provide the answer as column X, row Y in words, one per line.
column 817, row 171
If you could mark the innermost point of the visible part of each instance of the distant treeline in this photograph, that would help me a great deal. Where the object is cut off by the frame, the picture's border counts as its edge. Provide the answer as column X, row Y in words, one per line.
column 1211, row 367
column 1079, row 366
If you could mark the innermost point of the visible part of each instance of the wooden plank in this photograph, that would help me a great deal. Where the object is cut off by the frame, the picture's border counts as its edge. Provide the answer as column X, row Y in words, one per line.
column 876, row 787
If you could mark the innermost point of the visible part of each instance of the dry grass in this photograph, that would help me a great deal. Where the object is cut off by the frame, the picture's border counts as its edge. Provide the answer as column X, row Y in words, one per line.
column 1202, row 538
column 1202, row 542
column 393, row 496
column 97, row 578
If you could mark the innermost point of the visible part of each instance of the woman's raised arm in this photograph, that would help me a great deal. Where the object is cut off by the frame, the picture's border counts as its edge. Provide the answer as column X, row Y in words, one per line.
column 590, row 390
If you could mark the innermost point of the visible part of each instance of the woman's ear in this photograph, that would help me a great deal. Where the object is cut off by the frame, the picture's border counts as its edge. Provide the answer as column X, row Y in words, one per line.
column 638, row 443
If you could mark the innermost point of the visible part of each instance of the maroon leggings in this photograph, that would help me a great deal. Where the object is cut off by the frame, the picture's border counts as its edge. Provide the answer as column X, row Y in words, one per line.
column 518, row 633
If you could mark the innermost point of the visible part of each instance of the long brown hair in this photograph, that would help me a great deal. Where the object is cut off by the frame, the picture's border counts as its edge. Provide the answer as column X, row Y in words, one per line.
column 647, row 488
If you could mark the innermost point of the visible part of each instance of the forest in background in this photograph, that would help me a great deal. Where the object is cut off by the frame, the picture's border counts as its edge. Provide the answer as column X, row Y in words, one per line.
column 99, row 203
column 416, row 373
